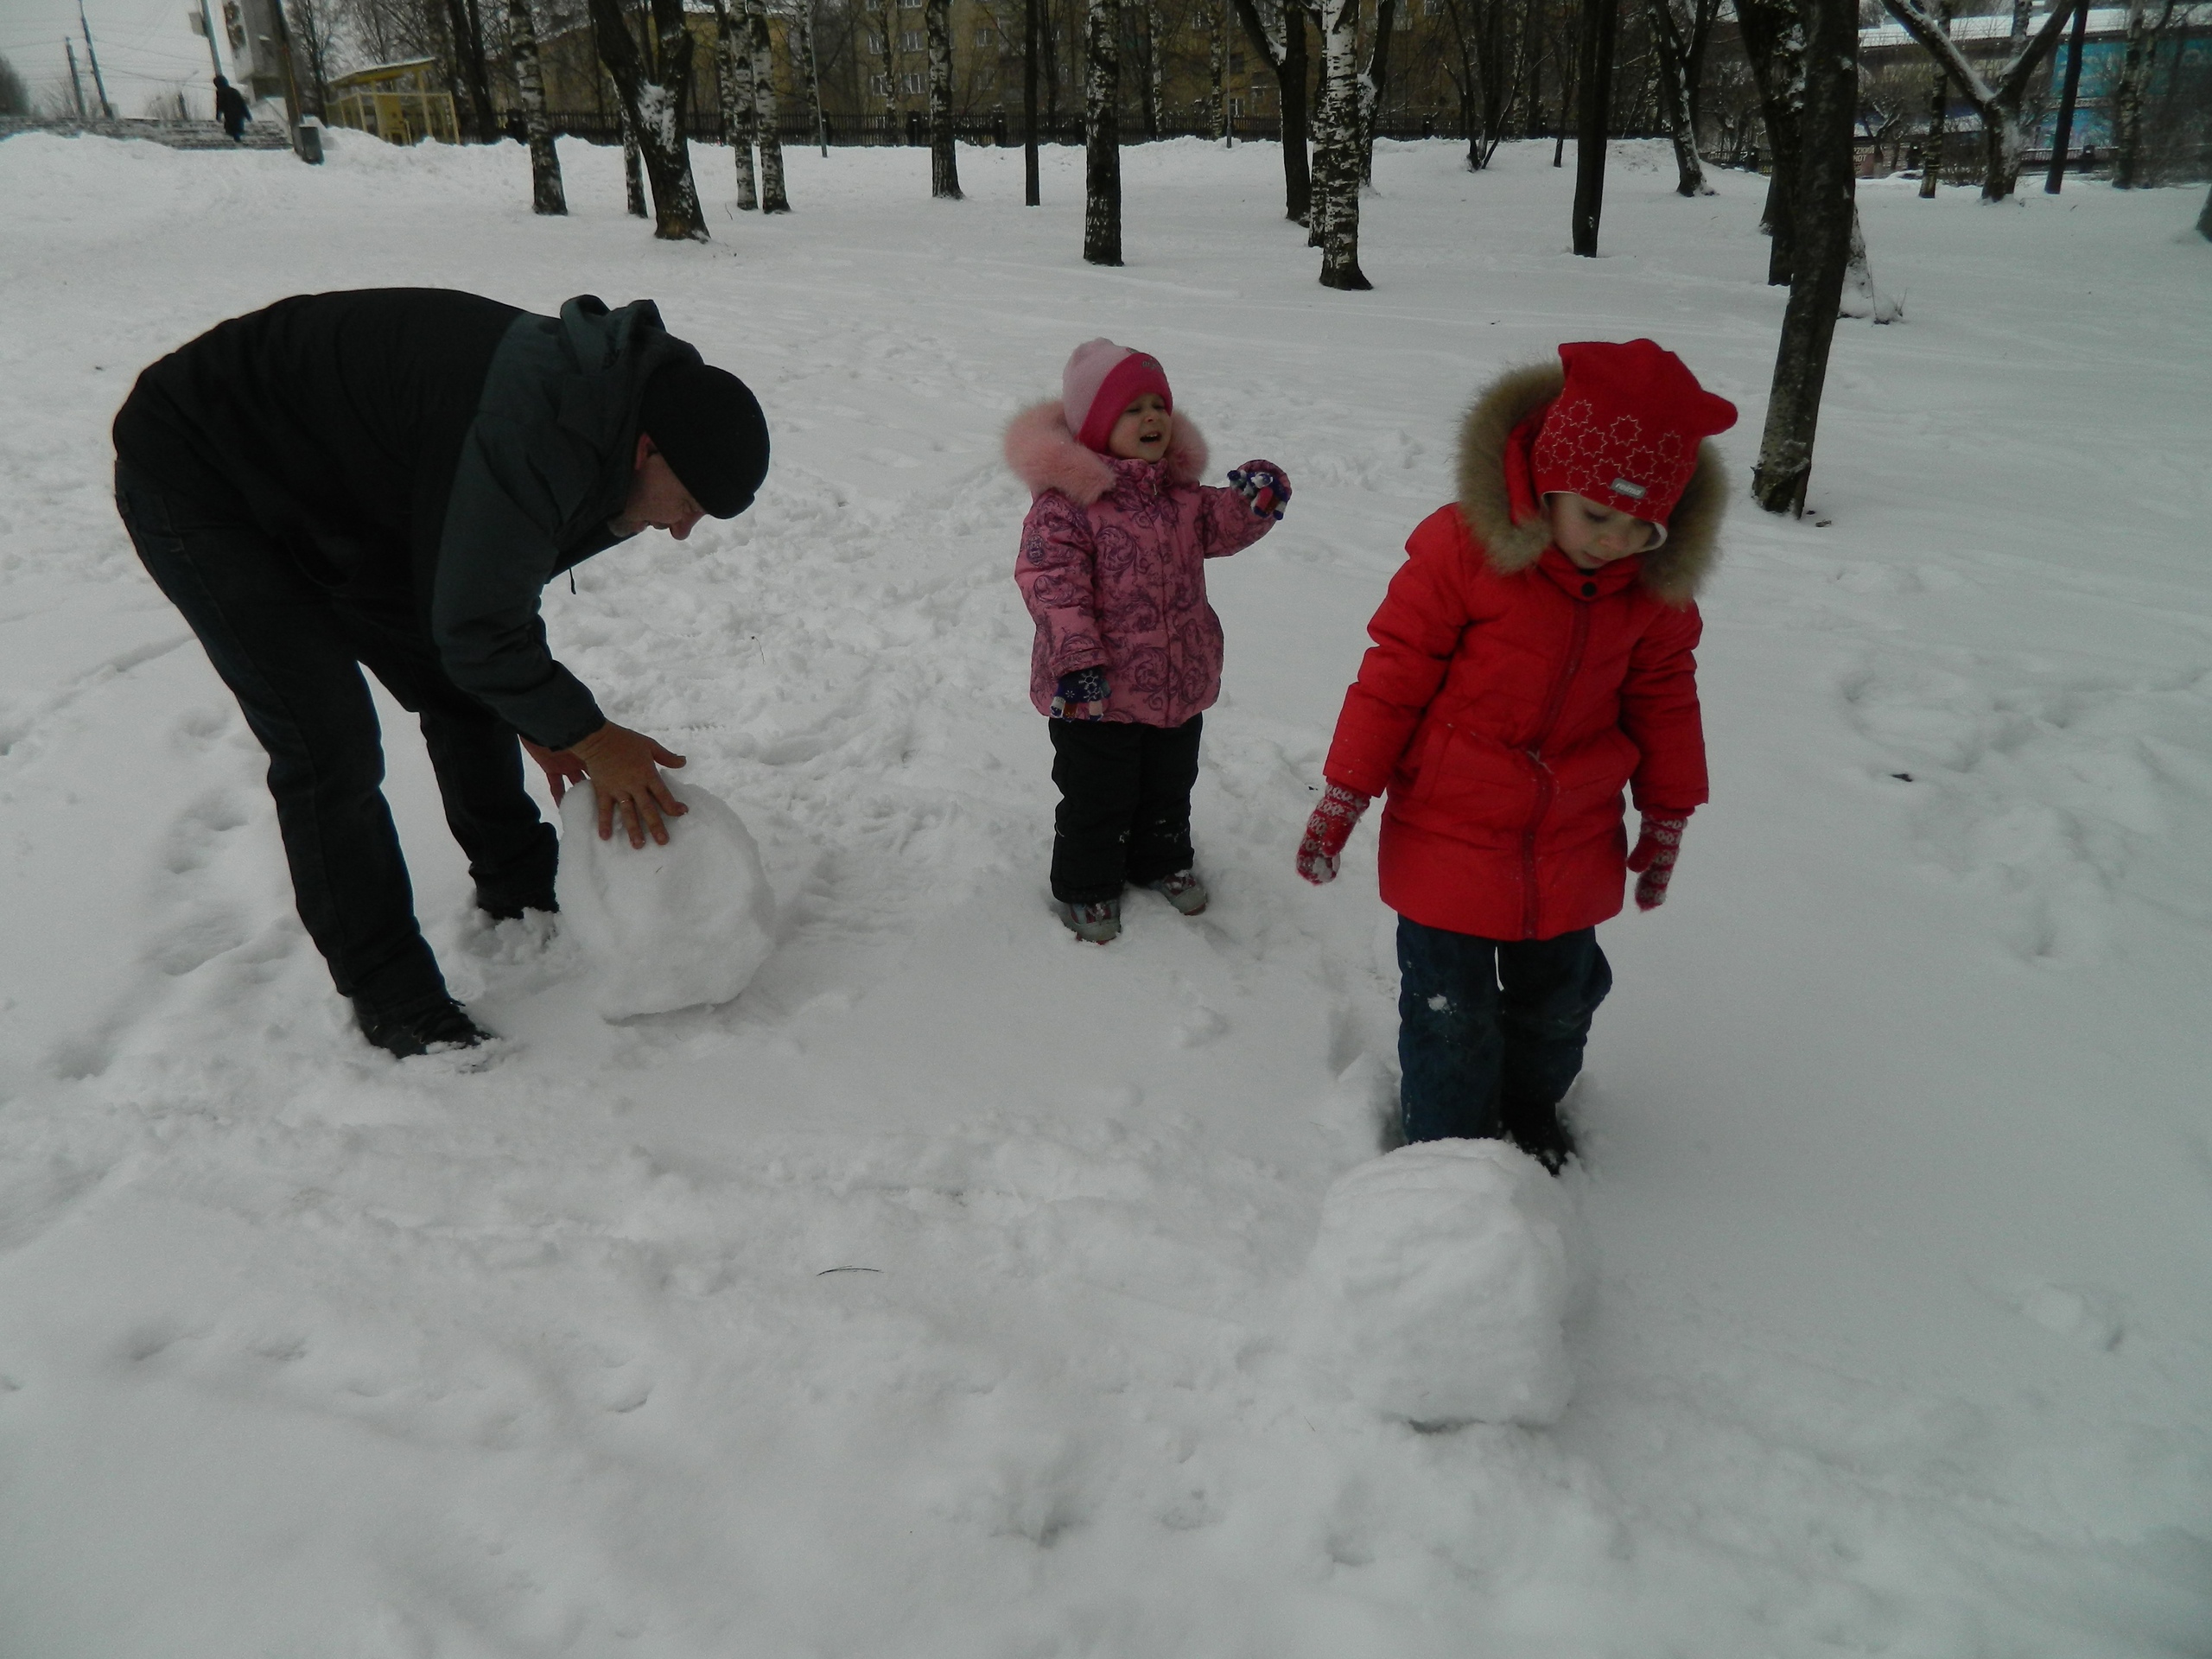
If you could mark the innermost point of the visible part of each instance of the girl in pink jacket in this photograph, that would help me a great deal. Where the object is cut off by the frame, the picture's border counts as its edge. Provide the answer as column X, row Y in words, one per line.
column 1128, row 652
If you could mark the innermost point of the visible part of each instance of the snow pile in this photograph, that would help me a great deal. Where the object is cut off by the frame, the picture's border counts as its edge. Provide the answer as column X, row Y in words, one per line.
column 666, row 927
column 1439, row 1289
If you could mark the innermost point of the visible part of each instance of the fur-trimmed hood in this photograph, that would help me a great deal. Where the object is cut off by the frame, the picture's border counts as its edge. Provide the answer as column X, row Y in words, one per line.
column 1497, row 499
column 1046, row 455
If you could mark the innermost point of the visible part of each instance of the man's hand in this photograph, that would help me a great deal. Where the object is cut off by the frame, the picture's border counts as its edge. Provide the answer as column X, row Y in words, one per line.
column 561, row 767
column 624, row 767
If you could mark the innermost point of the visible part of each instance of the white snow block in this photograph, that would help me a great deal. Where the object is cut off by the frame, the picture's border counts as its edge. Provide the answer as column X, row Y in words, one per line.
column 1439, row 1286
column 666, row 927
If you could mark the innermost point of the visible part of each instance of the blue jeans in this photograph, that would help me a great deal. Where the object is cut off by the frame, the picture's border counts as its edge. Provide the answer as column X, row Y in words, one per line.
column 1491, row 1031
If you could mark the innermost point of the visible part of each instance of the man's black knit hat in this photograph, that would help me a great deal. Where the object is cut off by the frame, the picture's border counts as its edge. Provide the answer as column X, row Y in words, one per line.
column 711, row 431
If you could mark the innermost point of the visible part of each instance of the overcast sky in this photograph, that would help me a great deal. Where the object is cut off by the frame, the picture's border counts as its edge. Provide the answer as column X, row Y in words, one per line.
column 146, row 49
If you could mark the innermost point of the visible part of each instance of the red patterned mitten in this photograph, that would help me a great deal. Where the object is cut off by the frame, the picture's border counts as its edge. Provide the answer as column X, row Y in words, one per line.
column 1653, row 859
column 1326, row 831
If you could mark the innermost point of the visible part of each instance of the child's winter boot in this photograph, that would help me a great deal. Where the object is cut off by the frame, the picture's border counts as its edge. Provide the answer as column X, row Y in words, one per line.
column 1184, row 890
column 1098, row 924
column 1539, row 1131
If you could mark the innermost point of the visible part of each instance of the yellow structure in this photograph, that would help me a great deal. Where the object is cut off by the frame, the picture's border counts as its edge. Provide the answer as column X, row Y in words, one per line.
column 400, row 103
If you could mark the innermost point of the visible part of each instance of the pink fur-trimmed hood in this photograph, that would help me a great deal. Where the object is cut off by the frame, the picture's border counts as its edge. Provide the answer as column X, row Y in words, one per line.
column 1045, row 455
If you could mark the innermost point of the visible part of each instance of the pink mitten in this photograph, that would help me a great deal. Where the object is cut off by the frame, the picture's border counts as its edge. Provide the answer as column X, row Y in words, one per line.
column 1653, row 859
column 1326, row 831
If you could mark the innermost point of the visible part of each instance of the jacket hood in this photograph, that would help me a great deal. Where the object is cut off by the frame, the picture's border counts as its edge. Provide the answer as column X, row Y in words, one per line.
column 1046, row 455
column 1497, row 495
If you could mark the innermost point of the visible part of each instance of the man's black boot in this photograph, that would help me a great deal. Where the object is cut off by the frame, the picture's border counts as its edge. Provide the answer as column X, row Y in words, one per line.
column 424, row 1028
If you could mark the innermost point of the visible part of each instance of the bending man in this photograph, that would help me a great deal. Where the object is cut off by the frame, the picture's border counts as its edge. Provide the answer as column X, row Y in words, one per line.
column 386, row 479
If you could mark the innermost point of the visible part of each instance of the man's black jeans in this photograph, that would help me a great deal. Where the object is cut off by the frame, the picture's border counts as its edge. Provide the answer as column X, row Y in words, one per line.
column 1125, row 805
column 292, row 652
column 1489, row 1031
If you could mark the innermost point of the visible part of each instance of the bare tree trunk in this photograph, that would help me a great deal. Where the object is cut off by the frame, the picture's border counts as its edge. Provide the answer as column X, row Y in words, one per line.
column 1861, row 298
column 633, row 172
column 1153, row 77
column 2204, row 219
column 1824, row 213
column 2127, row 97
column 1675, row 98
column 889, row 37
column 1102, row 121
column 468, row 26
column 733, row 70
column 765, row 113
column 2063, row 138
column 1032, row 192
column 812, row 71
column 1371, row 83
column 1340, row 146
column 1939, row 110
column 1774, row 43
column 653, row 99
column 1596, row 77
column 546, row 195
column 1287, row 57
column 1217, row 76
column 944, row 161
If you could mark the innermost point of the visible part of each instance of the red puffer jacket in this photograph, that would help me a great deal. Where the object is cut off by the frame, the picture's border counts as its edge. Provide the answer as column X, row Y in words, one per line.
column 1509, row 697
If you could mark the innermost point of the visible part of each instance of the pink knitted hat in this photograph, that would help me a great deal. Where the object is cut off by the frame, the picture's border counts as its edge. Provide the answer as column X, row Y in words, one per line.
column 1101, row 380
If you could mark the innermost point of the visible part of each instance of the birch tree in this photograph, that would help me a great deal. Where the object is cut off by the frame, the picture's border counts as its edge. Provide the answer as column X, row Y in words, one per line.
column 546, row 195
column 733, row 71
column 1370, row 83
column 1101, row 127
column 653, row 89
column 2128, row 93
column 1823, row 209
column 945, row 160
column 1998, row 105
column 633, row 172
column 466, row 23
column 1670, row 41
column 811, row 72
column 1279, row 36
column 760, row 55
column 1339, row 146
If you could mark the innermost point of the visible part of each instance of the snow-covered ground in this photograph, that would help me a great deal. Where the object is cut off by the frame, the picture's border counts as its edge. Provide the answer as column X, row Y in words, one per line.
column 937, row 1296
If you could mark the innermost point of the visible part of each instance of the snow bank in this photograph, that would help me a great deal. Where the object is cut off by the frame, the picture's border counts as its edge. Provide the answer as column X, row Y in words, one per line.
column 666, row 927
column 1441, row 1282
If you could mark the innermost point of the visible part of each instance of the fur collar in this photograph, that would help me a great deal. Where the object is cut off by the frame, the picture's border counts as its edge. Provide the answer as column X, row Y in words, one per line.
column 1045, row 455
column 1499, row 505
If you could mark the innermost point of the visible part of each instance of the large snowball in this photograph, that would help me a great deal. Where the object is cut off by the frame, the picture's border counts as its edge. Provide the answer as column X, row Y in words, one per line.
column 666, row 927
column 1440, row 1284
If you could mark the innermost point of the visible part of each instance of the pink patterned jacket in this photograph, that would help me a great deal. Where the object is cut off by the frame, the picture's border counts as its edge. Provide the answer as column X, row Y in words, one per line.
column 1113, row 566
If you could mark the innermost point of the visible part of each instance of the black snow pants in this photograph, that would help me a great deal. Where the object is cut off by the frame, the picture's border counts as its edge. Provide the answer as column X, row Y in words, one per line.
column 292, row 652
column 1125, row 805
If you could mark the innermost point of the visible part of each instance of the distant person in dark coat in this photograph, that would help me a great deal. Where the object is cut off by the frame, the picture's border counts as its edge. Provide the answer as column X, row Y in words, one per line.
column 230, row 110
column 386, row 479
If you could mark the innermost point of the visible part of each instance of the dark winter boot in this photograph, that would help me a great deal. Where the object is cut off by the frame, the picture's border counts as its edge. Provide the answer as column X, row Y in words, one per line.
column 436, row 1028
column 1541, row 1132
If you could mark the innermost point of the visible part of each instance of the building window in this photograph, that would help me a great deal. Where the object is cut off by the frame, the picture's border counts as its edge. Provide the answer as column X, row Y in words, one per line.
column 1236, row 107
column 876, row 44
column 878, row 84
column 911, row 84
column 910, row 39
column 982, row 37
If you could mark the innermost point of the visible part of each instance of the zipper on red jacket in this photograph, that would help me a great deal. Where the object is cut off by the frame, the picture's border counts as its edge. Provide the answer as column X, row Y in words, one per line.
column 1546, row 786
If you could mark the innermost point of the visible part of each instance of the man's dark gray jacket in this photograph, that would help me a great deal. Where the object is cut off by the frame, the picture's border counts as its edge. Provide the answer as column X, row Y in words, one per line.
column 417, row 442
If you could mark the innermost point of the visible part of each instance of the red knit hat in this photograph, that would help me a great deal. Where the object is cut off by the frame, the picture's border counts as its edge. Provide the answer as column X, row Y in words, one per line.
column 1102, row 379
column 1625, row 428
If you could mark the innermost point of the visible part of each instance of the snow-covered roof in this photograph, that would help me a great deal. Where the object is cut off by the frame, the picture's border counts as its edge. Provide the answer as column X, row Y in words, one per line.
column 2104, row 21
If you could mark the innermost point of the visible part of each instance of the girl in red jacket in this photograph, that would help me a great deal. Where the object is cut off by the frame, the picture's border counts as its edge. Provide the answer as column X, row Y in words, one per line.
column 1532, row 658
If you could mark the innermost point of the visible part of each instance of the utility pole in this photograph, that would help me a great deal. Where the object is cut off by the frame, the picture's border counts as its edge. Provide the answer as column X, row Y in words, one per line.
column 76, row 86
column 208, row 25
column 94, row 58
column 1030, row 196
